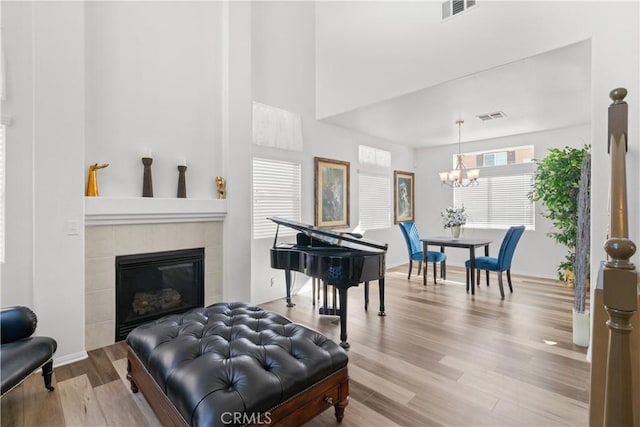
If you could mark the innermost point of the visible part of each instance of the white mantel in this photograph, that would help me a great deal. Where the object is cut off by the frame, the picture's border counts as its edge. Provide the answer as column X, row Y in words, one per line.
column 150, row 210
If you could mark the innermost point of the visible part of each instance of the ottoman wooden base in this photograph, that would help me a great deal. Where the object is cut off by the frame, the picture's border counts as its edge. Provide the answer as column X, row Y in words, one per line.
column 333, row 391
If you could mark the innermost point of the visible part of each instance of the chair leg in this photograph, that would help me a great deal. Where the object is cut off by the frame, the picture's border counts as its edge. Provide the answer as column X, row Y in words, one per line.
column 420, row 268
column 443, row 270
column 477, row 278
column 509, row 280
column 467, row 271
column 500, row 284
column 487, row 272
column 410, row 267
column 47, row 372
column 434, row 273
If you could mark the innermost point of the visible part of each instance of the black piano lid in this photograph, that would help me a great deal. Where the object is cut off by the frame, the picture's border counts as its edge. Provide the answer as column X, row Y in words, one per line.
column 331, row 237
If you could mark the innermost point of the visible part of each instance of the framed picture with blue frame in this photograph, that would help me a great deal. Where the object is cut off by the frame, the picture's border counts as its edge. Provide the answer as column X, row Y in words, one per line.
column 404, row 196
column 331, row 193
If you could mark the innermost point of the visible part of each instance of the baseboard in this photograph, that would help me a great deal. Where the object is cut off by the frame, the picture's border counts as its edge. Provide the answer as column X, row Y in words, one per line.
column 69, row 358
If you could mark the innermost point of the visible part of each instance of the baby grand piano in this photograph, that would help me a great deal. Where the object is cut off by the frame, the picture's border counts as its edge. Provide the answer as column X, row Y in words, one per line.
column 336, row 258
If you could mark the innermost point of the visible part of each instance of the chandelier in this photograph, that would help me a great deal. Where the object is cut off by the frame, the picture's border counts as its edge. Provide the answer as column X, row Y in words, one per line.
column 460, row 176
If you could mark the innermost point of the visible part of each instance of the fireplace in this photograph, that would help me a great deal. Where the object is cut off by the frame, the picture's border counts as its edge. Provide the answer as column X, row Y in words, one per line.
column 152, row 285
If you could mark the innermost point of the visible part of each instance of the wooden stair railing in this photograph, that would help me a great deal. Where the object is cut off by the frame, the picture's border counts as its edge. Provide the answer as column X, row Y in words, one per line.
column 619, row 296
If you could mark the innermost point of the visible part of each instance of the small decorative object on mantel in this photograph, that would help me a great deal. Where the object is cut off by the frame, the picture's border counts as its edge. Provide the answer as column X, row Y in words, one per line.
column 454, row 218
column 182, row 185
column 92, row 181
column 147, row 184
column 220, row 183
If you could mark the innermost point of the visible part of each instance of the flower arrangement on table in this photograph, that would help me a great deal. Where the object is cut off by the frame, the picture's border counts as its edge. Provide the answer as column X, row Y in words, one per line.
column 452, row 217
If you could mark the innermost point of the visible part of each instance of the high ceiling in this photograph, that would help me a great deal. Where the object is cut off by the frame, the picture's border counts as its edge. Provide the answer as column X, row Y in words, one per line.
column 546, row 91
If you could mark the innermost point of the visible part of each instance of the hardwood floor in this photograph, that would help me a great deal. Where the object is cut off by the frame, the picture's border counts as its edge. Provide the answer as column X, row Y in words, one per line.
column 440, row 357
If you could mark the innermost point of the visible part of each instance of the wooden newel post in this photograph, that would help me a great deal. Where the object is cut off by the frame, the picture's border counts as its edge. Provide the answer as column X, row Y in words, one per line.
column 620, row 295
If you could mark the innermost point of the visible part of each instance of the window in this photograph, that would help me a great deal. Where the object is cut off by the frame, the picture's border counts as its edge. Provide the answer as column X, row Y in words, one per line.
column 375, row 201
column 276, row 192
column 374, row 156
column 374, row 188
column 275, row 127
column 508, row 156
column 495, row 159
column 500, row 200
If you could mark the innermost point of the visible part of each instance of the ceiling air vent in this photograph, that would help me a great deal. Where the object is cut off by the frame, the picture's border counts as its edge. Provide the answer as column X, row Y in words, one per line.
column 491, row 116
column 454, row 7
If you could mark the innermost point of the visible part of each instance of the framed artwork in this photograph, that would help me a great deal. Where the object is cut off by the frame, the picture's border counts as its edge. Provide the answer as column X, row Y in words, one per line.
column 331, row 193
column 404, row 201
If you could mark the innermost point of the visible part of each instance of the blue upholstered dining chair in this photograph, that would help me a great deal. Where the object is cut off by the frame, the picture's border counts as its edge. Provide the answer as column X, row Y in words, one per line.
column 502, row 262
column 414, row 247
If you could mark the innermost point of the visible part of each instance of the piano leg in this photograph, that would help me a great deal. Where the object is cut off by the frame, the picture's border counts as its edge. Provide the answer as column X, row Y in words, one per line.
column 366, row 295
column 287, row 280
column 313, row 292
column 381, row 286
column 324, row 295
column 343, row 318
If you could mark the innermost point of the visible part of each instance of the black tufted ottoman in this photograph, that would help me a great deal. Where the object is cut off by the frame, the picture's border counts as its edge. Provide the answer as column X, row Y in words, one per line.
column 234, row 364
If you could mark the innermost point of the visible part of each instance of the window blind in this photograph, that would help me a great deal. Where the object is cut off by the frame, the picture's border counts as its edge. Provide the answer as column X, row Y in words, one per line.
column 500, row 200
column 276, row 192
column 375, row 201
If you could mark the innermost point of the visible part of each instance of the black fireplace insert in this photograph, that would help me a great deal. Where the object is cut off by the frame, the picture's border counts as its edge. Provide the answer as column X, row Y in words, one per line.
column 152, row 285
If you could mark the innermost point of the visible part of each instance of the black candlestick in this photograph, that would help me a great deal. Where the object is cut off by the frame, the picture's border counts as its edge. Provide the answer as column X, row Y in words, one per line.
column 147, row 184
column 182, row 186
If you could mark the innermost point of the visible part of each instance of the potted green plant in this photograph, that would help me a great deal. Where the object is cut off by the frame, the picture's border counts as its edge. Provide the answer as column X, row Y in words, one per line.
column 562, row 183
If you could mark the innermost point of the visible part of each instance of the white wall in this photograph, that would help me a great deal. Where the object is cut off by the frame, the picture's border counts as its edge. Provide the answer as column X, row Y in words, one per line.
column 236, row 148
column 283, row 64
column 44, row 268
column 17, row 272
column 370, row 51
column 154, row 82
column 537, row 254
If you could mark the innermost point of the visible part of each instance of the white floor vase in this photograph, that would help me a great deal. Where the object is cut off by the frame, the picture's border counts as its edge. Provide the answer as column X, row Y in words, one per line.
column 581, row 328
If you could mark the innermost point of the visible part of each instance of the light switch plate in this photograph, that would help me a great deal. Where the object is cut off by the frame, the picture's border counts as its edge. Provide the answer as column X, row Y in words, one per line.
column 73, row 227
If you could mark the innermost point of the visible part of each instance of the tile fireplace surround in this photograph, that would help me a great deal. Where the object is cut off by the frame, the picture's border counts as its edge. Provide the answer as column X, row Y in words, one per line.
column 131, row 226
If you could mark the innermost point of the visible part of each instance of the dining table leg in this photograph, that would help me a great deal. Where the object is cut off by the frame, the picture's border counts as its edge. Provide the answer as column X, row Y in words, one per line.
column 472, row 265
column 486, row 253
